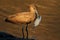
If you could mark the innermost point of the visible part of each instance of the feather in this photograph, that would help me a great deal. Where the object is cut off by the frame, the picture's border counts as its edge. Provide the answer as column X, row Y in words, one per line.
column 37, row 21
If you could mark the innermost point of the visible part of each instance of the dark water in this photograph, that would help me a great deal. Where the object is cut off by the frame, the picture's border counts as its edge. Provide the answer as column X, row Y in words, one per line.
column 6, row 36
column 49, row 28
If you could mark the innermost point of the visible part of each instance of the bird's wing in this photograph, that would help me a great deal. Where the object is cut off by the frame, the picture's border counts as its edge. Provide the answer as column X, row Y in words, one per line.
column 22, row 13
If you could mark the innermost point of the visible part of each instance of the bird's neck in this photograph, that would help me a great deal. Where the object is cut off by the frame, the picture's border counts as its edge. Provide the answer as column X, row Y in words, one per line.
column 32, row 10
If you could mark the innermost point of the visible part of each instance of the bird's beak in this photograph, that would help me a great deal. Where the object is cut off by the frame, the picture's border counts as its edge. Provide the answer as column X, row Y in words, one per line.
column 37, row 5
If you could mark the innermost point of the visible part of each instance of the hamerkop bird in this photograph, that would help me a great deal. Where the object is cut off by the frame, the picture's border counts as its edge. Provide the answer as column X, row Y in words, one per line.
column 26, row 18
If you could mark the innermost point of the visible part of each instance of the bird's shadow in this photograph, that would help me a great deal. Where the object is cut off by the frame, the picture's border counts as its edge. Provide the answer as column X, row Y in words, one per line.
column 6, row 36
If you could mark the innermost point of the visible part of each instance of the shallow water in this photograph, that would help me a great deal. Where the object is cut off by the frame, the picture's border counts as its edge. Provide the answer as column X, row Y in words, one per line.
column 49, row 28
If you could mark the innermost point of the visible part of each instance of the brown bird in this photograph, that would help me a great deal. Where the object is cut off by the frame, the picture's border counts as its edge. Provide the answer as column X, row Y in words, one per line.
column 26, row 18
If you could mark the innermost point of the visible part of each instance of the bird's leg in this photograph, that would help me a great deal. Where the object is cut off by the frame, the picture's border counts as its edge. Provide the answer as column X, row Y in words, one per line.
column 27, row 31
column 23, row 31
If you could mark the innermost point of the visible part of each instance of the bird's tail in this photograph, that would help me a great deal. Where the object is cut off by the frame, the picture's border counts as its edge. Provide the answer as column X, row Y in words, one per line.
column 37, row 21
